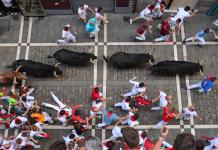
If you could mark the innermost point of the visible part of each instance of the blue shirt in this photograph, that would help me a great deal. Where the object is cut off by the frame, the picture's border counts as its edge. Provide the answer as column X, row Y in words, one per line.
column 109, row 120
column 89, row 27
column 201, row 34
column 206, row 85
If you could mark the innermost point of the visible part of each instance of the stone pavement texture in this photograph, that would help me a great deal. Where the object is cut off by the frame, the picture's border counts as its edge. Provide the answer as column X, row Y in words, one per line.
column 35, row 39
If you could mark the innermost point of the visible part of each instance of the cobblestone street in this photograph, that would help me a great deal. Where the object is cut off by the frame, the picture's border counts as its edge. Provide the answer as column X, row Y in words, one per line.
column 35, row 39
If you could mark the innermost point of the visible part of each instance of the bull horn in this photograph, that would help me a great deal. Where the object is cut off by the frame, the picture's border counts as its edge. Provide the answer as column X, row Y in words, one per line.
column 91, row 50
column 56, row 65
column 55, row 74
column 152, row 51
column 92, row 61
column 18, row 68
column 201, row 61
column 150, row 63
column 201, row 73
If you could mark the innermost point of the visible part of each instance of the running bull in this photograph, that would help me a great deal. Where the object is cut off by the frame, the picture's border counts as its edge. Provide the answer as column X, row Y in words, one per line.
column 169, row 68
column 8, row 77
column 36, row 69
column 72, row 58
column 124, row 60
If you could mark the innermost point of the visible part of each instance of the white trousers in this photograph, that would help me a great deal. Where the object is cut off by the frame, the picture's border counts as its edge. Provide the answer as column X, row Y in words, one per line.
column 201, row 40
column 162, row 38
column 140, row 37
column 160, row 124
column 70, row 39
column 133, row 92
column 197, row 85
column 122, row 105
column 94, row 33
column 156, row 108
column 55, row 98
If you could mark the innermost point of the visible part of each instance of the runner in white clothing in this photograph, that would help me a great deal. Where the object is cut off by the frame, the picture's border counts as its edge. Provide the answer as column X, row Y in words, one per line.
column 67, row 36
column 183, row 13
column 187, row 113
column 163, row 100
column 124, row 104
column 144, row 14
column 63, row 111
column 17, row 122
column 37, row 131
column 138, row 88
column 82, row 12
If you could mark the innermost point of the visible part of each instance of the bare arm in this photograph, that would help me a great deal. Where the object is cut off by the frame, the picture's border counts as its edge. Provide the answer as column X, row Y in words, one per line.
column 163, row 134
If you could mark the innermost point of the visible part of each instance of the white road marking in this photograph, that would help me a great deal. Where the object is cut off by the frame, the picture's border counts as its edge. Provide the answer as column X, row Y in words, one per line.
column 109, row 43
column 187, row 77
column 29, row 37
column 95, row 78
column 104, row 74
column 177, row 80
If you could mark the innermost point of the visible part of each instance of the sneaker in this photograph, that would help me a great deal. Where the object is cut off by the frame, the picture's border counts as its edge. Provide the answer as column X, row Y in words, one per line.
column 184, row 41
column 37, row 146
column 201, row 46
column 130, row 21
column 51, row 121
column 106, row 22
column 121, row 95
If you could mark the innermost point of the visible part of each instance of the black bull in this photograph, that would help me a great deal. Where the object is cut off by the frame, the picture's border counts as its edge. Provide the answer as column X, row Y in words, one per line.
column 74, row 58
column 168, row 68
column 126, row 60
column 36, row 69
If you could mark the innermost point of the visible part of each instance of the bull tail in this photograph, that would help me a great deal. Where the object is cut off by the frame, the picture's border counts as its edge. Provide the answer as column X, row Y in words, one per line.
column 106, row 58
column 49, row 56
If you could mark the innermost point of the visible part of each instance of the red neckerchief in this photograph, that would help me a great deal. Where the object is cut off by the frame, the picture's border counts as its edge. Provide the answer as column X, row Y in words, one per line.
column 132, row 118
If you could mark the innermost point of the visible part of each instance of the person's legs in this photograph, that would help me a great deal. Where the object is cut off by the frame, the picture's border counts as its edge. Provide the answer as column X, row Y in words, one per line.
column 161, row 38
column 101, row 124
column 193, row 86
column 155, row 108
column 73, row 38
column 201, row 41
column 191, row 39
column 55, row 98
column 118, row 105
column 30, row 91
column 140, row 37
column 61, row 42
column 159, row 125
column 51, row 106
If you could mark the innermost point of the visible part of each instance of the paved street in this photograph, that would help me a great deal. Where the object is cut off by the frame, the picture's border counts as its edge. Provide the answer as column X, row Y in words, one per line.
column 35, row 39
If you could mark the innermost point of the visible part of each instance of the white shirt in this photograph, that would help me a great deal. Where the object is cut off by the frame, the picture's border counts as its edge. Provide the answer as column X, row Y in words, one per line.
column 116, row 132
column 145, row 12
column 130, row 122
column 23, row 143
column 66, row 34
column 125, row 105
column 163, row 101
column 7, row 3
column 83, row 12
column 181, row 13
column 37, row 132
column 135, row 88
column 212, row 142
column 187, row 113
column 13, row 124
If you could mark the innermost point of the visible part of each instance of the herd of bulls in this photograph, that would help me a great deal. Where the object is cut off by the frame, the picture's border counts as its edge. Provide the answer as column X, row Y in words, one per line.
column 121, row 60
